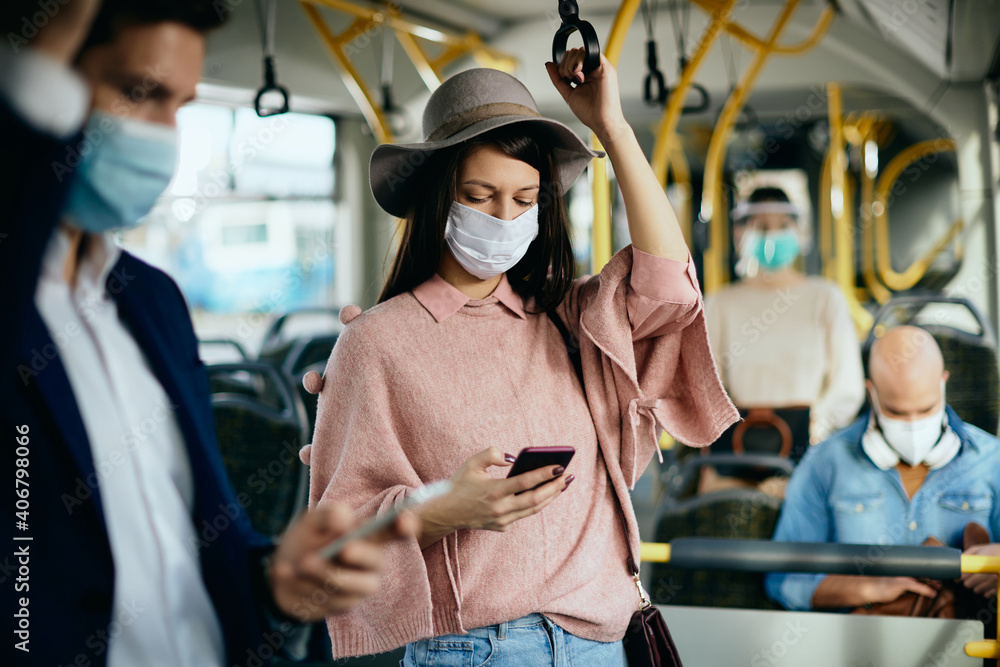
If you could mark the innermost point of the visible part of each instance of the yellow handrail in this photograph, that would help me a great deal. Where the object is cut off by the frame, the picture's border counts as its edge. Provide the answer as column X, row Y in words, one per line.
column 370, row 108
column 826, row 240
column 682, row 179
column 814, row 37
column 841, row 204
column 659, row 552
column 717, row 253
column 667, row 129
column 600, row 244
column 865, row 134
column 911, row 275
column 990, row 648
column 366, row 21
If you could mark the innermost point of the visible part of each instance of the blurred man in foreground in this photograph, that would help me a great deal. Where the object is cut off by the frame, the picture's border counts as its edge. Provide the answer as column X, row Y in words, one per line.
column 131, row 551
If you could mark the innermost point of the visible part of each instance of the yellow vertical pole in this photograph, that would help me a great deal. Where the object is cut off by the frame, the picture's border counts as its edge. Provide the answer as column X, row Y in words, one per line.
column 666, row 132
column 713, row 200
column 841, row 206
column 600, row 245
column 370, row 109
column 868, row 172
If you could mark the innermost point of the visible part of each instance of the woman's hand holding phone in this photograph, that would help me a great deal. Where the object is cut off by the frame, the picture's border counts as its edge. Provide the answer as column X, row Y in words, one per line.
column 479, row 501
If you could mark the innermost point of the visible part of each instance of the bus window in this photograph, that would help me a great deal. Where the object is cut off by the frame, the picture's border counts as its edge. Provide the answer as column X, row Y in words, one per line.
column 247, row 225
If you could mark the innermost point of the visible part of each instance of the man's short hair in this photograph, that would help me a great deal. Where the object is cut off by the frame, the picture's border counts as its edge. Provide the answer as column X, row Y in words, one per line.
column 200, row 15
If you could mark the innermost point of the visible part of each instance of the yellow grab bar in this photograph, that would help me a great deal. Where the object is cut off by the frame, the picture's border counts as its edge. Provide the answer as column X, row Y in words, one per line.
column 600, row 233
column 906, row 279
column 841, row 198
column 659, row 552
column 717, row 253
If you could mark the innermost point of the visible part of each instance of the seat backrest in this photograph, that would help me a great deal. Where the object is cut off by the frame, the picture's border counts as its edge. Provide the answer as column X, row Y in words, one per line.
column 290, row 325
column 741, row 513
column 297, row 354
column 260, row 439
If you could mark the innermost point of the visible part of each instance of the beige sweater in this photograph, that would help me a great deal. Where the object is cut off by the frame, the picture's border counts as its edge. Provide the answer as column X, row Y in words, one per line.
column 421, row 382
column 794, row 346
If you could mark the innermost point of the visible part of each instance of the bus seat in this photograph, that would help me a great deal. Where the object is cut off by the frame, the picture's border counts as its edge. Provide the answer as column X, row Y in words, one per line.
column 301, row 322
column 294, row 356
column 741, row 513
column 970, row 356
column 257, row 434
column 210, row 350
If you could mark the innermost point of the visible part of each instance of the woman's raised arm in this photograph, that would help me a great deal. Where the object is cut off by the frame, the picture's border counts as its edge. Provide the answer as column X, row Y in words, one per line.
column 595, row 101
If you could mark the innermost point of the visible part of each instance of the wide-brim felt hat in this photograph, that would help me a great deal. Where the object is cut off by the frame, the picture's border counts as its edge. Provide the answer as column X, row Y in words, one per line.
column 465, row 106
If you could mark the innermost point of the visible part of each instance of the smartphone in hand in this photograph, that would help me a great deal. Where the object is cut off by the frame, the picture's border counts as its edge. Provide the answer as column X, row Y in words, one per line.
column 533, row 458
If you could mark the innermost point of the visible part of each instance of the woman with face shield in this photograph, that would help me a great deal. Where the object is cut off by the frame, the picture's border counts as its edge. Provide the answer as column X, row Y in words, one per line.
column 781, row 338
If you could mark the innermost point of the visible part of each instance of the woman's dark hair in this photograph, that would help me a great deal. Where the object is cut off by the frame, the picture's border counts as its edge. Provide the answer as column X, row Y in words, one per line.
column 546, row 270
column 199, row 15
column 768, row 193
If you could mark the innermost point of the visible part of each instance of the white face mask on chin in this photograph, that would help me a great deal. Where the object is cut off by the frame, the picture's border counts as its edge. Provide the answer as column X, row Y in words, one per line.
column 486, row 246
column 913, row 441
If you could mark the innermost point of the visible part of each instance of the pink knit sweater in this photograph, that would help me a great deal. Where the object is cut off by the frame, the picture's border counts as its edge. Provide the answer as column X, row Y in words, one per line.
column 418, row 384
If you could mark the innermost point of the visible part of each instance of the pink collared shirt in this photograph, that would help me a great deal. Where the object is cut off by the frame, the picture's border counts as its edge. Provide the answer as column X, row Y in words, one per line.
column 419, row 383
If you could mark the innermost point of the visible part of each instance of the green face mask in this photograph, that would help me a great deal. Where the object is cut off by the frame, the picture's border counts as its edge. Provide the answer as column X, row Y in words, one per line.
column 774, row 250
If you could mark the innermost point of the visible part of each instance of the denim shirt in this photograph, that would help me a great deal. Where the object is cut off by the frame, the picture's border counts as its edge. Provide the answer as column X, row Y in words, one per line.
column 837, row 494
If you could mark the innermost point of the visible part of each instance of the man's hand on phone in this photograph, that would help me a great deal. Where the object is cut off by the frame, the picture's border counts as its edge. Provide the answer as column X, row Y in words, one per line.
column 478, row 501
column 309, row 588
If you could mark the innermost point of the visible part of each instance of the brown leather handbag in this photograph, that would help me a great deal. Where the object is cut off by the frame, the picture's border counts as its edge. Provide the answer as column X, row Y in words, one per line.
column 953, row 600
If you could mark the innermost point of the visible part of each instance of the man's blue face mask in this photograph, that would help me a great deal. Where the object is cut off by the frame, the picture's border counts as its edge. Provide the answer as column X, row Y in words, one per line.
column 126, row 165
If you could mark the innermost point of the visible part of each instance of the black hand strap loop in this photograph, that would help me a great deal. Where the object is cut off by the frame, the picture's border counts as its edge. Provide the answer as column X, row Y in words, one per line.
column 266, row 17
column 270, row 86
column 659, row 96
column 704, row 101
column 569, row 13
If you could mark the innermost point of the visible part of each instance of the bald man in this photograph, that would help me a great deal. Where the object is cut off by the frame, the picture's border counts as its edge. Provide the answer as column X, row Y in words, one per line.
column 907, row 470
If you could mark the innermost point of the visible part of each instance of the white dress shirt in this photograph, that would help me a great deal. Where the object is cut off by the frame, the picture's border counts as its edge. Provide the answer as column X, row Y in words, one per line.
column 162, row 613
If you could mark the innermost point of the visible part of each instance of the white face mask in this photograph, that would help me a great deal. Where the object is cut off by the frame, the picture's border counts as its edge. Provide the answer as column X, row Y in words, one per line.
column 486, row 246
column 912, row 440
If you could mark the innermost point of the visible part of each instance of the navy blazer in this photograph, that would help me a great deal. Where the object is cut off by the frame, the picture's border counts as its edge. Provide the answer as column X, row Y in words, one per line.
column 67, row 576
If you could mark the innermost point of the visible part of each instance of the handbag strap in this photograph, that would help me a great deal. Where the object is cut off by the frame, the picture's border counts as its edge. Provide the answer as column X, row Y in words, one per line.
column 573, row 350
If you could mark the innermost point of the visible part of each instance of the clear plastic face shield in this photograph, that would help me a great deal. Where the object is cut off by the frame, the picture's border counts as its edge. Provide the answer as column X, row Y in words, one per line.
column 771, row 237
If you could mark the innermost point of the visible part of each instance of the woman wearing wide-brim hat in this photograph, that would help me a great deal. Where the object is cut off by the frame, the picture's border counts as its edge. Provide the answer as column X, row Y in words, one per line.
column 461, row 365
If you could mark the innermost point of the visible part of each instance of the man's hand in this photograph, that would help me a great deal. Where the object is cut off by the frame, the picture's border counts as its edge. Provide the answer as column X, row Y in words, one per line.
column 878, row 590
column 60, row 35
column 837, row 590
column 983, row 584
column 309, row 588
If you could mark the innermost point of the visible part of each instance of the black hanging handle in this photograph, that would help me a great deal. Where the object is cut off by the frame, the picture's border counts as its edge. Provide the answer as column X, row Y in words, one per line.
column 704, row 102
column 659, row 96
column 569, row 12
column 270, row 86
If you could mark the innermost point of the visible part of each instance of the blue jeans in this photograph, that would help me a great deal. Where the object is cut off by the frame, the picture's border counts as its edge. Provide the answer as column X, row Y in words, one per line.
column 529, row 641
